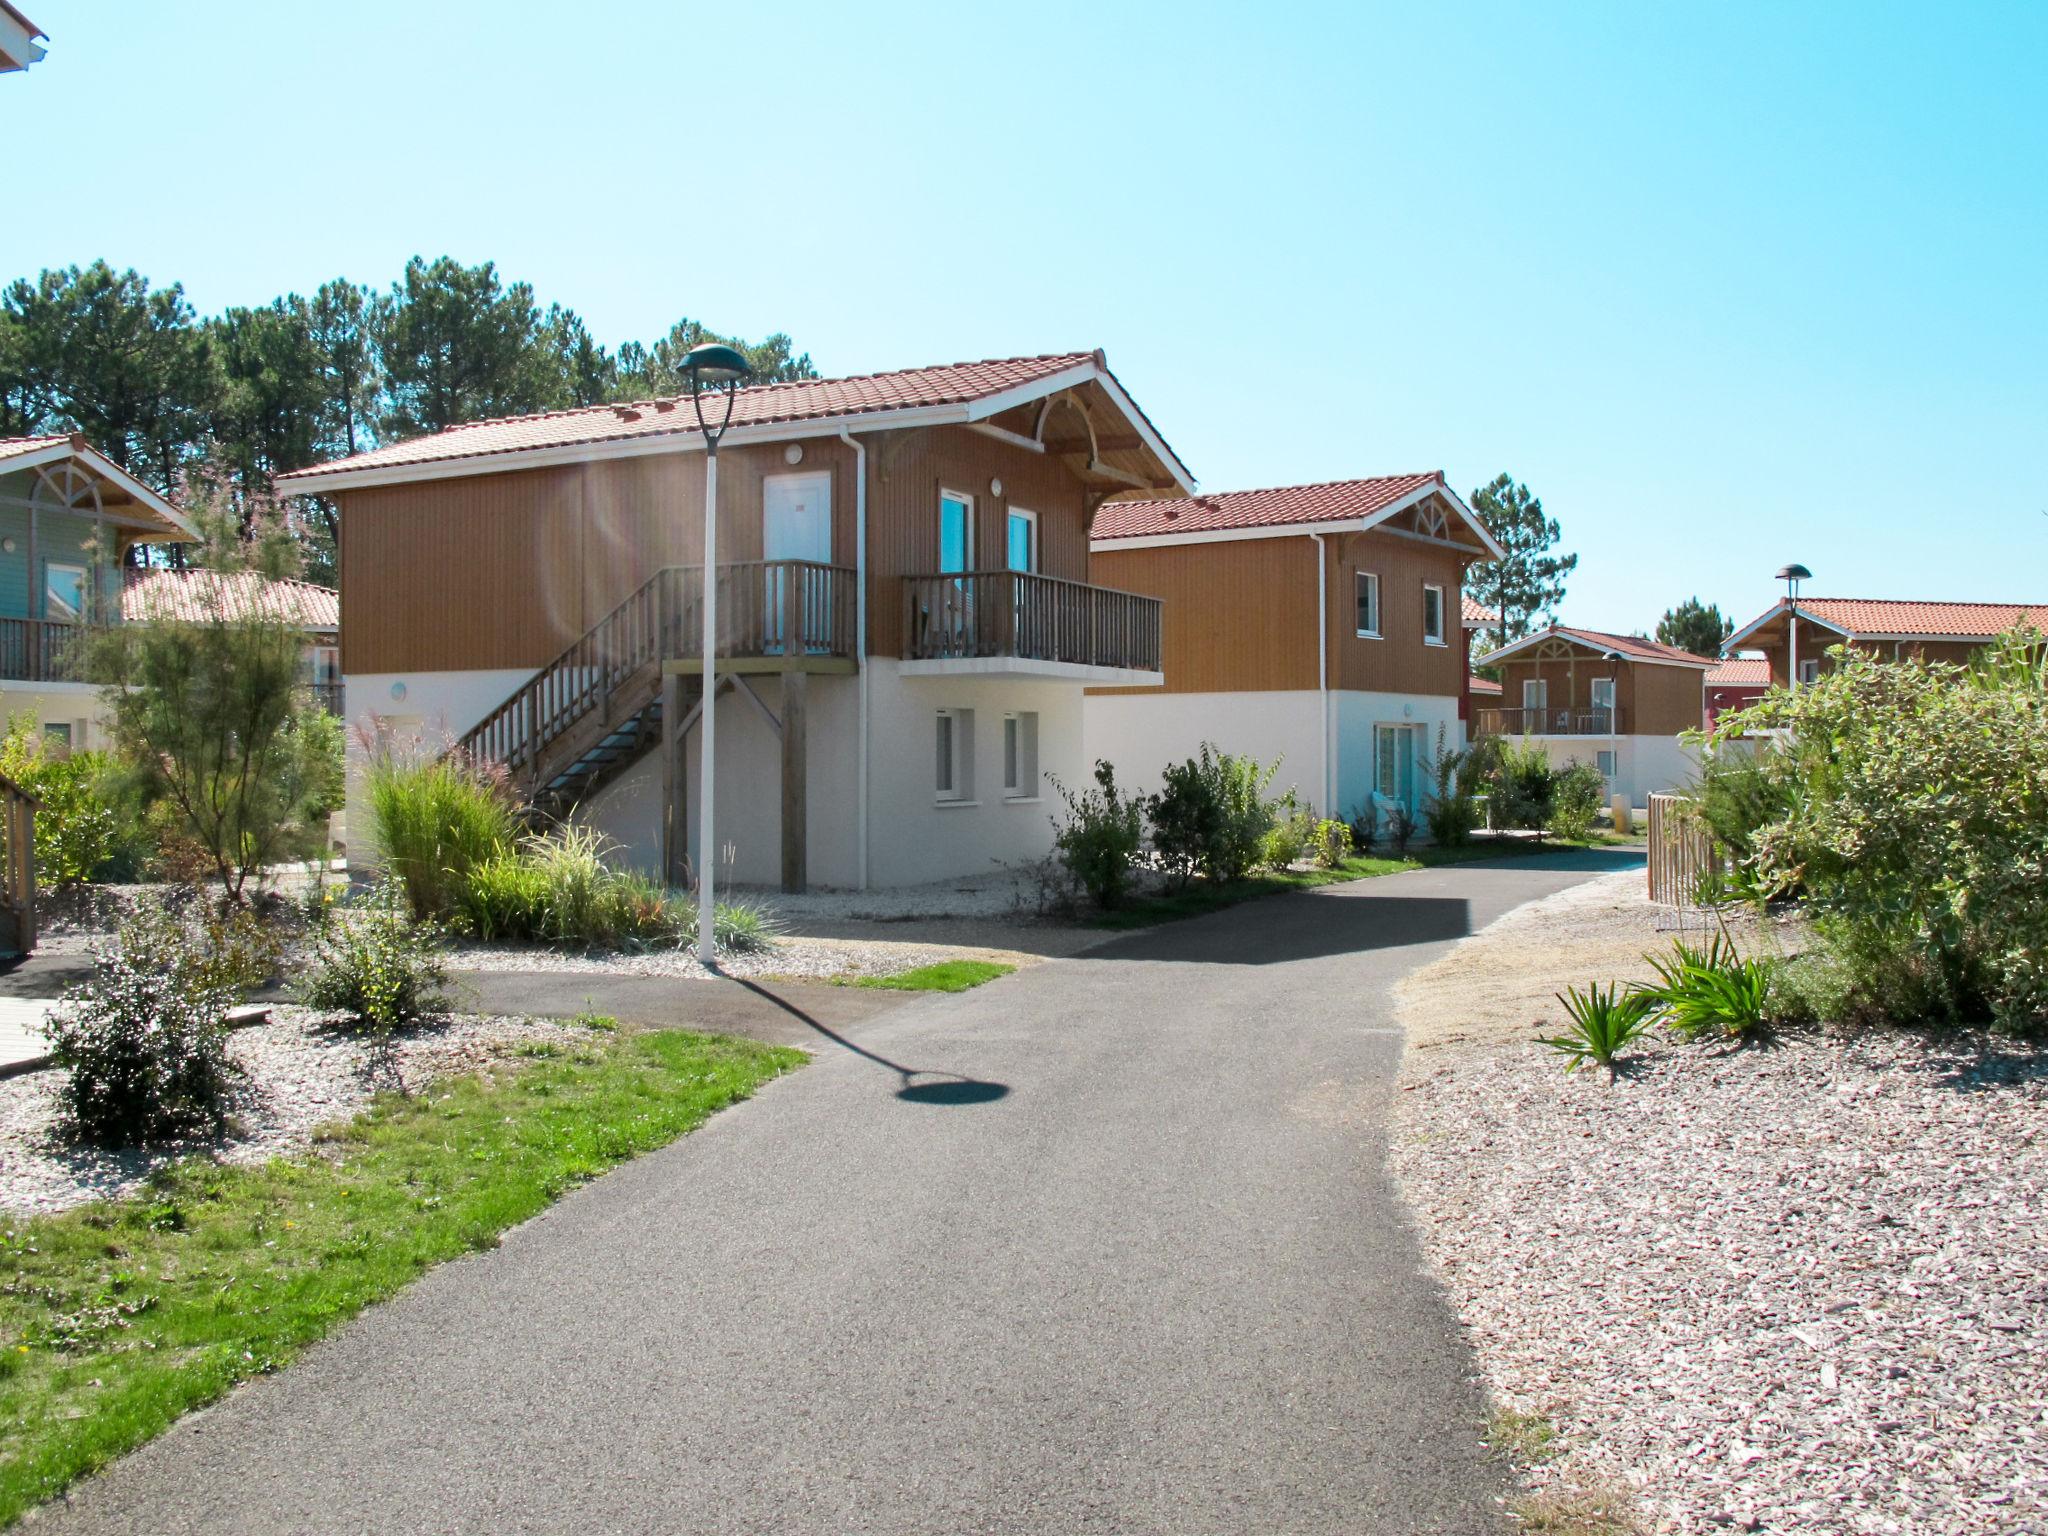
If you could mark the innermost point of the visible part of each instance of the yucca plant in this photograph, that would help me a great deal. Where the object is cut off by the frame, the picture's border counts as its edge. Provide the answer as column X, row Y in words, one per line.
column 1707, row 991
column 1604, row 1023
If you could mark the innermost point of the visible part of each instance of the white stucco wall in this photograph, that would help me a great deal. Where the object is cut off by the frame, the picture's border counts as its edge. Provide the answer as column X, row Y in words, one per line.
column 77, row 705
column 913, row 836
column 1644, row 765
column 1142, row 733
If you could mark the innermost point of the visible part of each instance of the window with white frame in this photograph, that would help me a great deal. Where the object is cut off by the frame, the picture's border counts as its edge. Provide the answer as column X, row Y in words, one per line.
column 1369, row 604
column 953, row 779
column 66, row 591
column 1020, row 541
column 1535, row 696
column 1020, row 755
column 1603, row 703
column 1809, row 671
column 1432, row 615
column 1604, row 760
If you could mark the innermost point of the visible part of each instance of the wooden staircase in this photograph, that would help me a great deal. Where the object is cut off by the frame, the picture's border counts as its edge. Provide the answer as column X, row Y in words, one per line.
column 599, row 707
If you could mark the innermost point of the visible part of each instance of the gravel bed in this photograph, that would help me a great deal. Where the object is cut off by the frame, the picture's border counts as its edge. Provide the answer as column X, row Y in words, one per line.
column 301, row 1076
column 1004, row 892
column 1793, row 1289
column 806, row 959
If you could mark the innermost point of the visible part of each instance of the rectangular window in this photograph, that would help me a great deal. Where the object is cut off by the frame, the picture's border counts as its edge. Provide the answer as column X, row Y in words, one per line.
column 1603, row 693
column 1369, row 604
column 956, row 532
column 64, row 592
column 57, row 737
column 1809, row 672
column 953, row 778
column 1020, row 755
column 1535, row 700
column 1022, row 540
column 1393, row 771
column 1604, row 761
column 1433, row 615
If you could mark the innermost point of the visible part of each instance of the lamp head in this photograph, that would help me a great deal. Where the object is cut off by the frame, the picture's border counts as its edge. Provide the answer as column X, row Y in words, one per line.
column 714, row 365
column 1613, row 656
column 1792, row 575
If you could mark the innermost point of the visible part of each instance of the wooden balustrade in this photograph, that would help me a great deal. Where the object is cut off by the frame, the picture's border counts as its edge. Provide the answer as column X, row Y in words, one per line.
column 44, row 650
column 1549, row 722
column 761, row 604
column 1031, row 617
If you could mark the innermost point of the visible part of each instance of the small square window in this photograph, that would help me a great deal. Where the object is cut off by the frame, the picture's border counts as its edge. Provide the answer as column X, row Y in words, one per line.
column 1604, row 761
column 1020, row 755
column 1809, row 671
column 953, row 763
column 1369, row 604
column 1433, row 615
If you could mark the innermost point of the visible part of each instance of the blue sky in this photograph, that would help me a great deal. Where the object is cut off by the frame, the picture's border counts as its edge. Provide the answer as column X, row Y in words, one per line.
column 1726, row 285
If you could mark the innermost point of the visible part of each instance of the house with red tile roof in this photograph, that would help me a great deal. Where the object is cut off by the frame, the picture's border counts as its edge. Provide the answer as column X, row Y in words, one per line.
column 195, row 596
column 907, row 610
column 1323, row 625
column 1796, row 634
column 69, row 516
column 1617, row 702
column 1737, row 683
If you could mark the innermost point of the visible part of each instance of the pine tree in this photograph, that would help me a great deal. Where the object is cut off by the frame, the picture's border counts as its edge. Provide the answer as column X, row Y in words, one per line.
column 1529, row 580
column 1691, row 627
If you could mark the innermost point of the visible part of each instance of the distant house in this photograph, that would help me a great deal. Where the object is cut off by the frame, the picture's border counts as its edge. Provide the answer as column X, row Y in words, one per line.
column 1795, row 635
column 1737, row 683
column 1309, row 623
column 1483, row 689
column 198, row 596
column 68, row 516
column 18, row 45
column 1618, row 702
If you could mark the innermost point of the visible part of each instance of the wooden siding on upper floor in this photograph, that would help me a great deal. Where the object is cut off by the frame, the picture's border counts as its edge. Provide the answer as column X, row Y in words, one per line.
column 1653, row 699
column 1399, row 660
column 1815, row 642
column 505, row 570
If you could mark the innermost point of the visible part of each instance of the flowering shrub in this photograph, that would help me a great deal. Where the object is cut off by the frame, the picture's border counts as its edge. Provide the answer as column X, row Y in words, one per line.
column 378, row 965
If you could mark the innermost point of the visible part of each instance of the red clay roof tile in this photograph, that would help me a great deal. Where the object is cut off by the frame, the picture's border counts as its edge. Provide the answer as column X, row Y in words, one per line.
column 1328, row 502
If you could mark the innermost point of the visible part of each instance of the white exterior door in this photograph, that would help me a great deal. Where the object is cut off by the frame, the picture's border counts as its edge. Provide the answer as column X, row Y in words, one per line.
column 1535, row 705
column 796, row 524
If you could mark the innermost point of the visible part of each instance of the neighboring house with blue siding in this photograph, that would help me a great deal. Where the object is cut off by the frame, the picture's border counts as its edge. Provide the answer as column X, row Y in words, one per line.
column 69, row 516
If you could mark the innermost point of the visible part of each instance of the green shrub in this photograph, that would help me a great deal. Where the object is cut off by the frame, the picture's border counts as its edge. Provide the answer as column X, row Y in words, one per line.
column 1211, row 817
column 1603, row 1025
column 1916, row 825
column 1292, row 836
column 80, row 834
column 1452, row 809
column 505, row 899
column 1099, row 841
column 1331, row 845
column 143, row 1040
column 1710, row 991
column 1400, row 829
column 1739, row 793
column 738, row 927
column 1575, row 795
column 1365, row 826
column 435, row 819
column 377, row 965
column 1519, row 790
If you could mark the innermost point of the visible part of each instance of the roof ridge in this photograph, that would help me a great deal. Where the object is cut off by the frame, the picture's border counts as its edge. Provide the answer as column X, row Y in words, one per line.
column 1928, row 602
column 1314, row 485
column 563, row 412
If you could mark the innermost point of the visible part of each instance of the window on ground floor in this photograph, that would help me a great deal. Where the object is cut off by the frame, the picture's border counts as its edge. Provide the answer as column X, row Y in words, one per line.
column 954, row 778
column 1020, row 755
column 1604, row 760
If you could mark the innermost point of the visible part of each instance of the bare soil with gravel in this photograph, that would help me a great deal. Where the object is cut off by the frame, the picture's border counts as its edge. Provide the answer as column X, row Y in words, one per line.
column 1797, row 1288
column 300, row 1076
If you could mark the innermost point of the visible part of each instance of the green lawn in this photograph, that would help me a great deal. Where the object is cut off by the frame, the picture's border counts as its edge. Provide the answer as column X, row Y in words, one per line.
column 1200, row 897
column 945, row 976
column 116, row 1318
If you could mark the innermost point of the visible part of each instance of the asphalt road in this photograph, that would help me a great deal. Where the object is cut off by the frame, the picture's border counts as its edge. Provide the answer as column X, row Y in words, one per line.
column 1103, row 1247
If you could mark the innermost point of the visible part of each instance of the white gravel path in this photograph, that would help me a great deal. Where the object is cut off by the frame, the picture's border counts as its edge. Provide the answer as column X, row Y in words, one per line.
column 1797, row 1289
column 806, row 959
column 301, row 1077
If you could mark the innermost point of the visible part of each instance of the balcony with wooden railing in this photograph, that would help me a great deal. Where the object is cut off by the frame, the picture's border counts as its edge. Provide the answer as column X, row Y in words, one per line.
column 1601, row 720
column 1020, row 622
column 44, row 650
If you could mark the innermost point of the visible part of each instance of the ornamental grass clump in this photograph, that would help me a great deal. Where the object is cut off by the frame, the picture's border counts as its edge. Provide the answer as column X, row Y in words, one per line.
column 1604, row 1023
column 436, row 819
column 143, row 1039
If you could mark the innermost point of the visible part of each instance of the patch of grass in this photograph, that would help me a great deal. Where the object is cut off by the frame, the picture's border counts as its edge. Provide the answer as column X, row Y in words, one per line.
column 1574, row 1514
column 116, row 1318
column 943, row 976
column 1201, row 897
column 1524, row 1438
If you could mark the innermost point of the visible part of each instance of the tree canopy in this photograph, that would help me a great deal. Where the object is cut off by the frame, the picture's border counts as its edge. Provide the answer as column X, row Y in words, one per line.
column 1529, row 580
column 1696, row 628
column 297, row 381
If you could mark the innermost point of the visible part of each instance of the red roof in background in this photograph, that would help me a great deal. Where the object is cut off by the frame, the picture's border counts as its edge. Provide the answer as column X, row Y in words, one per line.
column 1634, row 646
column 1477, row 613
column 1963, row 621
column 1332, row 501
column 198, row 596
column 14, row 447
column 1481, row 685
column 1741, row 672
column 761, row 405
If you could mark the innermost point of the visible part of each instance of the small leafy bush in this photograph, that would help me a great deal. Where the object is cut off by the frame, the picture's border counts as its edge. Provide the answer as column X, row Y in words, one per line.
column 1365, row 825
column 378, row 965
column 436, row 819
column 1709, row 991
column 1099, row 841
column 143, row 1040
column 1331, row 845
column 1400, row 829
column 1452, row 810
column 1211, row 817
column 1575, row 795
column 80, row 834
column 1604, row 1023
column 1519, row 790
column 1738, row 794
column 1292, row 836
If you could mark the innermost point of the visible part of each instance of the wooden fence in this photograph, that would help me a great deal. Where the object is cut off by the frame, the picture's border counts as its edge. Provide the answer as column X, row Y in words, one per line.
column 1682, row 851
column 17, row 868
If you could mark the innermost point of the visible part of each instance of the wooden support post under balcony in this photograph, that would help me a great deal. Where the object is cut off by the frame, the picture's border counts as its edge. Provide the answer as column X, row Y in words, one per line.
column 796, row 695
column 675, row 781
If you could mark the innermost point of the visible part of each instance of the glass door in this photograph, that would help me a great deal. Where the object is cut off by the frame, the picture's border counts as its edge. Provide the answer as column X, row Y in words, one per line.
column 796, row 524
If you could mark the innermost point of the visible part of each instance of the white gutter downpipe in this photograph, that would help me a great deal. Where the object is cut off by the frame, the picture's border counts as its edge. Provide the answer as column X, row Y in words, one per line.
column 1793, row 680
column 860, row 640
column 1323, row 659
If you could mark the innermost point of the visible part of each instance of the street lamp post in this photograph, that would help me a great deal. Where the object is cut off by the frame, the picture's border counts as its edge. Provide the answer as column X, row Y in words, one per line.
column 716, row 370
column 1792, row 575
